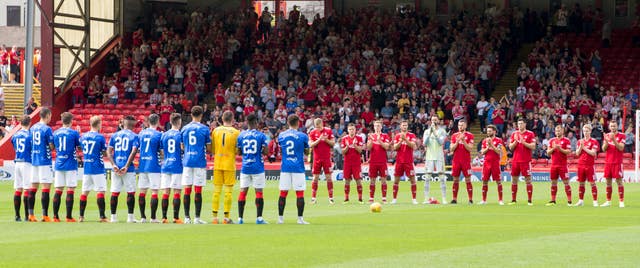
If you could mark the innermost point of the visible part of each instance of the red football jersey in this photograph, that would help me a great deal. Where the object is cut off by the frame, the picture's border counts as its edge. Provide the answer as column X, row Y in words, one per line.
column 378, row 153
column 322, row 151
column 557, row 157
column 405, row 153
column 522, row 154
column 461, row 154
column 584, row 158
column 352, row 156
column 491, row 155
column 614, row 156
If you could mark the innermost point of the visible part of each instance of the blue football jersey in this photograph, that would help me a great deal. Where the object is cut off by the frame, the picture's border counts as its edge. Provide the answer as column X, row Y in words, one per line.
column 172, row 163
column 293, row 144
column 195, row 137
column 123, row 142
column 41, row 138
column 149, row 149
column 22, row 145
column 93, row 146
column 66, row 141
column 251, row 143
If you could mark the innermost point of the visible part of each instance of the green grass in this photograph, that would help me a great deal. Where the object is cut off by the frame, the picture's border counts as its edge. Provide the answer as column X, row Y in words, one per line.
column 402, row 235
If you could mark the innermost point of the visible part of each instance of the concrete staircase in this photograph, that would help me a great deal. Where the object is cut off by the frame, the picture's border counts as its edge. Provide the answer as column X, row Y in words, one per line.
column 508, row 81
column 14, row 98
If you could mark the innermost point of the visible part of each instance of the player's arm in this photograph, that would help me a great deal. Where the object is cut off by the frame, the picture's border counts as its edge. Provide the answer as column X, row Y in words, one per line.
column 531, row 145
column 110, row 158
column 132, row 155
column 359, row 148
column 385, row 145
column 552, row 148
column 331, row 141
column 369, row 144
column 442, row 136
column 590, row 151
column 468, row 145
column 454, row 145
column 512, row 143
column 412, row 144
column 619, row 145
column 343, row 147
column 485, row 150
column 313, row 143
column 564, row 151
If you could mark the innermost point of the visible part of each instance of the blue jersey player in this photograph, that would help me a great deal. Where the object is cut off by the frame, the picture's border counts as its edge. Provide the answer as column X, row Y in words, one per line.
column 294, row 145
column 122, row 149
column 93, row 146
column 149, row 168
column 196, row 139
column 252, row 145
column 67, row 142
column 172, row 168
column 21, row 141
column 41, row 146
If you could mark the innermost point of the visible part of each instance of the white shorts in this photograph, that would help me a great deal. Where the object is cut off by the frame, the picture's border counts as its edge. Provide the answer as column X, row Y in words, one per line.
column 194, row 176
column 149, row 181
column 66, row 178
column 431, row 165
column 288, row 179
column 41, row 174
column 257, row 181
column 97, row 182
column 171, row 181
column 22, row 173
column 126, row 181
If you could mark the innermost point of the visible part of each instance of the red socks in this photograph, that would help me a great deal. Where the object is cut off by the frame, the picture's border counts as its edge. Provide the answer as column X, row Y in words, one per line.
column 609, row 191
column 554, row 192
column 314, row 189
column 485, row 188
column 359, row 188
column 455, row 187
column 347, row 189
column 500, row 192
column 514, row 192
column 594, row 192
column 284, row 194
column 621, row 192
column 470, row 190
column 372, row 190
column 383, row 187
column 243, row 196
column 413, row 190
column 567, row 190
column 329, row 188
column 581, row 190
column 395, row 190
column 529, row 191
column 299, row 194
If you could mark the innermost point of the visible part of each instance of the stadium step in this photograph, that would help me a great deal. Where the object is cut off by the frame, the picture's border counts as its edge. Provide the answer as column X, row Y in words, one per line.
column 14, row 98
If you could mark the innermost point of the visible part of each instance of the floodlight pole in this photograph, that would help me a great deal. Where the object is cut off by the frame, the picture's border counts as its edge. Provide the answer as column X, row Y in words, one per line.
column 28, row 66
column 637, row 179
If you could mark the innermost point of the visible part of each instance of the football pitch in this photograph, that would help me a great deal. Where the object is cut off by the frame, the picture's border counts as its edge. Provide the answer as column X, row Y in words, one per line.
column 403, row 235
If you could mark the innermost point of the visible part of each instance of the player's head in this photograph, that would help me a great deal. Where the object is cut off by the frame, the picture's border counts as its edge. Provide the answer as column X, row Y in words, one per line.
column 96, row 123
column 522, row 125
column 613, row 126
column 129, row 122
column 67, row 119
column 153, row 120
column 318, row 123
column 586, row 131
column 435, row 120
column 176, row 120
column 45, row 115
column 462, row 125
column 559, row 131
column 377, row 126
column 196, row 113
column 227, row 117
column 491, row 131
column 293, row 121
column 252, row 121
column 404, row 126
column 25, row 121
column 351, row 129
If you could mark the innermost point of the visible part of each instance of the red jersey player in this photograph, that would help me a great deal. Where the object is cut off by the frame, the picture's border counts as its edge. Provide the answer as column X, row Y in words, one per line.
column 613, row 145
column 321, row 140
column 586, row 152
column 522, row 142
column 378, row 143
column 491, row 149
column 559, row 148
column 404, row 143
column 351, row 146
column 461, row 146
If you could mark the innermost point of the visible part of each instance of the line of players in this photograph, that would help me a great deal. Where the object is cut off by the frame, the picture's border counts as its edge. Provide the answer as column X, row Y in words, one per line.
column 183, row 165
column 173, row 161
column 522, row 143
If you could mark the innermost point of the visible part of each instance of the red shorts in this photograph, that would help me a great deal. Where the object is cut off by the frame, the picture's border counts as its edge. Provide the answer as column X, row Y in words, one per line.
column 464, row 168
column 559, row 171
column 520, row 169
column 613, row 171
column 320, row 165
column 377, row 170
column 586, row 173
column 404, row 169
column 491, row 169
column 352, row 172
